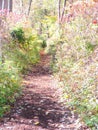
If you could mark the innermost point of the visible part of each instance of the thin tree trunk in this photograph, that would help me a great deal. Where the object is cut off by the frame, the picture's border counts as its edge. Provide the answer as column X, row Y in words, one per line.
column 8, row 8
column 11, row 5
column 63, row 10
column 21, row 6
column 30, row 2
column 61, row 13
column 1, row 50
column 2, row 5
column 59, row 10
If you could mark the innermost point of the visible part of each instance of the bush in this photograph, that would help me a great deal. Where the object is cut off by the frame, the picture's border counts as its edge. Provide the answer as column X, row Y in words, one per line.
column 20, row 48
column 77, row 63
column 24, row 50
column 9, row 86
column 18, row 35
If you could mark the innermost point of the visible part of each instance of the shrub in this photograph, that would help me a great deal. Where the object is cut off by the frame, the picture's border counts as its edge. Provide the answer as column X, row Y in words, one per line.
column 9, row 86
column 25, row 47
column 19, row 50
column 77, row 63
column 18, row 35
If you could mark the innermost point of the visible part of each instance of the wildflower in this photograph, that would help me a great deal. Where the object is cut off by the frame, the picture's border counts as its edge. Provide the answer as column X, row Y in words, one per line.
column 95, row 21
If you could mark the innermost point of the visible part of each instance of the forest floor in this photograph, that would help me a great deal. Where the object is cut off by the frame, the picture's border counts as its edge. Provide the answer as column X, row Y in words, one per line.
column 39, row 107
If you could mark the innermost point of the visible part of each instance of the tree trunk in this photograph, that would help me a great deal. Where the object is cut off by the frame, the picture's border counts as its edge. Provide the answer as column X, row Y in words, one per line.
column 59, row 10
column 21, row 6
column 30, row 2
column 63, row 10
column 1, row 51
column 9, row 5
column 2, row 5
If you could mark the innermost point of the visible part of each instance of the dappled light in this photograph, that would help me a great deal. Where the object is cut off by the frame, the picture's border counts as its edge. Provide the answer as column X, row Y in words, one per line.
column 48, row 65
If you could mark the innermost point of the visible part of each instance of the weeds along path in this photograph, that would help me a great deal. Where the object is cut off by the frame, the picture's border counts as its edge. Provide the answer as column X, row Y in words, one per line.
column 38, row 107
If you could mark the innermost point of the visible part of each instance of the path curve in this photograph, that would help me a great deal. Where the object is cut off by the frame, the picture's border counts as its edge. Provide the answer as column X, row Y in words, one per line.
column 38, row 107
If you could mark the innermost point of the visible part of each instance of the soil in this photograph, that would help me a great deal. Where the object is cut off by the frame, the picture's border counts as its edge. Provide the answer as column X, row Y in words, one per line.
column 39, row 106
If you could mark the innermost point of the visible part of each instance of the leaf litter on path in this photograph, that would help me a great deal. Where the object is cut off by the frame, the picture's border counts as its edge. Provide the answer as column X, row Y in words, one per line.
column 39, row 108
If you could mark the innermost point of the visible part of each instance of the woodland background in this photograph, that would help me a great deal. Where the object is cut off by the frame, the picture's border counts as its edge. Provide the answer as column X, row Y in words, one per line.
column 68, row 30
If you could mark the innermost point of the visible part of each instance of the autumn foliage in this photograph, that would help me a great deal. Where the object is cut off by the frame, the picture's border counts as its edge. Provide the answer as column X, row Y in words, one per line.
column 82, row 8
column 77, row 60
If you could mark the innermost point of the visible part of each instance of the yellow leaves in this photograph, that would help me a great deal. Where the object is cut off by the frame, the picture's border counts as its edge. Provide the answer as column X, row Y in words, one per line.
column 37, row 123
column 49, row 19
column 66, row 96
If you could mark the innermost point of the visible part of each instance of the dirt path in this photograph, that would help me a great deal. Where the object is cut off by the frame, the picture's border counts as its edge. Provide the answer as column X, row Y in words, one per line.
column 38, row 107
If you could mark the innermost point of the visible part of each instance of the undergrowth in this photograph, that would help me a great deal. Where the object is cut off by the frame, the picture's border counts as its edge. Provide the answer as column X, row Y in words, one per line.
column 76, row 62
column 20, row 50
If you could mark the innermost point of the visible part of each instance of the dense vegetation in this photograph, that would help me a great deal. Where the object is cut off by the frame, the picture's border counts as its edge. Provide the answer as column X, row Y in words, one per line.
column 20, row 48
column 75, row 56
column 71, row 37
column 77, row 61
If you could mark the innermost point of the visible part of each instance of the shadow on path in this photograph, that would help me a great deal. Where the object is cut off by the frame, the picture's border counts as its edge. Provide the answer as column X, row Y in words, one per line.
column 40, row 110
column 38, row 107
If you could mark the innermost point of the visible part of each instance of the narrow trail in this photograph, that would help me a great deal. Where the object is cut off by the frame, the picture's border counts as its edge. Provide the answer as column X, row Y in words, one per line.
column 38, row 107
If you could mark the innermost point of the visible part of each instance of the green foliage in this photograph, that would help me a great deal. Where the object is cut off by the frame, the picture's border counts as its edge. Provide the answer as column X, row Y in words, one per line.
column 92, row 120
column 18, row 35
column 25, row 50
column 44, row 44
column 77, row 68
column 9, row 85
column 22, row 46
column 21, row 52
column 73, row 44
